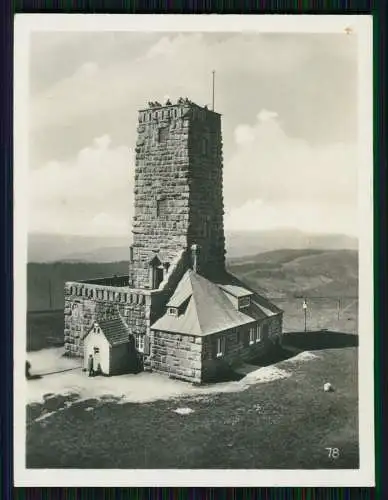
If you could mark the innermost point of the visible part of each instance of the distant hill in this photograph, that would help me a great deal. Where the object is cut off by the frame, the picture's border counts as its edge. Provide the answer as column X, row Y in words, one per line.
column 308, row 272
column 43, row 278
column 51, row 248
column 279, row 273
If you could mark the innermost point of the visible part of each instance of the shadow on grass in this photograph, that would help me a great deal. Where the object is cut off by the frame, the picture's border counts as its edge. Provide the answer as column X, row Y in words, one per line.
column 317, row 340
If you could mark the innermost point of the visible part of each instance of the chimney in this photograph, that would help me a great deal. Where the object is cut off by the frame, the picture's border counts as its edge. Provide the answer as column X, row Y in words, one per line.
column 194, row 257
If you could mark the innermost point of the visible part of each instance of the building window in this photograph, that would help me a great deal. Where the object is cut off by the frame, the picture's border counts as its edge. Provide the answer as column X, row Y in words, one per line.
column 162, row 134
column 244, row 302
column 221, row 341
column 96, row 350
column 172, row 311
column 252, row 335
column 258, row 333
column 139, row 342
column 75, row 311
column 238, row 336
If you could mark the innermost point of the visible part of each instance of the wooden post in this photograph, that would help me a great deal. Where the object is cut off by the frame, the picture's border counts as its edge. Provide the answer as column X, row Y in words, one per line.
column 305, row 314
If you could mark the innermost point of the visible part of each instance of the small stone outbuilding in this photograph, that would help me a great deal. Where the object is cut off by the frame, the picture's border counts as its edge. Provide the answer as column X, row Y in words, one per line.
column 112, row 346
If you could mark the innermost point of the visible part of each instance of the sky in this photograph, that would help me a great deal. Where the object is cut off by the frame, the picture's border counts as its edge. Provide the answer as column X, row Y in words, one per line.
column 289, row 125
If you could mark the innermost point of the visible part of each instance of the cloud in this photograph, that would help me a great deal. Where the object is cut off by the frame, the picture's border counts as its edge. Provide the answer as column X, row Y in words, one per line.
column 175, row 64
column 78, row 94
column 270, row 181
column 266, row 115
column 283, row 181
column 315, row 217
column 90, row 194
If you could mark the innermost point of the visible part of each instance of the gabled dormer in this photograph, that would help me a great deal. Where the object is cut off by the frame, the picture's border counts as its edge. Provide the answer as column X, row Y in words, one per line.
column 239, row 296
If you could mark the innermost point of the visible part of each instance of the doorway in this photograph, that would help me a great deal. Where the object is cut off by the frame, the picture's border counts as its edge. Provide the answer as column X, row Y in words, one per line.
column 96, row 360
column 157, row 276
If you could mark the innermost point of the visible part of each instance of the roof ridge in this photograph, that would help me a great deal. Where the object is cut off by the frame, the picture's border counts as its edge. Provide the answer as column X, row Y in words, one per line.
column 191, row 275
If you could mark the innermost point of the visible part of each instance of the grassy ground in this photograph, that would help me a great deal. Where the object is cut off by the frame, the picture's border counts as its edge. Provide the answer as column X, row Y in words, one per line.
column 287, row 423
column 44, row 330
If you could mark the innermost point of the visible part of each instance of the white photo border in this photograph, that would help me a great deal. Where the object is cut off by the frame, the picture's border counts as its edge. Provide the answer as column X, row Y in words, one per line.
column 361, row 26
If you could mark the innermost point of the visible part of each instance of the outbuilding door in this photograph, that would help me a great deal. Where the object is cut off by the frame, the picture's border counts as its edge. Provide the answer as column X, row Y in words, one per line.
column 96, row 358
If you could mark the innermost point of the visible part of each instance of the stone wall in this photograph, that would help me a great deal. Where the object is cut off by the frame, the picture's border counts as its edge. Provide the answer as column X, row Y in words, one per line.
column 179, row 356
column 206, row 226
column 238, row 347
column 195, row 358
column 85, row 303
column 178, row 174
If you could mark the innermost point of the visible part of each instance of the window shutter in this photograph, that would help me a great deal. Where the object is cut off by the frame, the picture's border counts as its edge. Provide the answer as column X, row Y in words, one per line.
column 146, row 345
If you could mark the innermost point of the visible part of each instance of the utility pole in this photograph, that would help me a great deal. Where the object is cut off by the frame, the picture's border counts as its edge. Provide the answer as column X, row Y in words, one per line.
column 339, row 308
column 213, row 84
column 305, row 314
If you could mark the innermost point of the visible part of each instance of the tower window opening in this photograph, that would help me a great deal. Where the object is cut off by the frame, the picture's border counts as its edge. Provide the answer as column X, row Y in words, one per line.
column 162, row 134
column 161, row 207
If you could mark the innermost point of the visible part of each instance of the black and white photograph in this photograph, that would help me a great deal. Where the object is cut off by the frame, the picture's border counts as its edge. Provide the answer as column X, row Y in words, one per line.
column 193, row 250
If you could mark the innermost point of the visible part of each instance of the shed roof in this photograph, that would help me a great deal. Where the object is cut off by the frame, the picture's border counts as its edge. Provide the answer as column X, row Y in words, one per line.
column 208, row 309
column 115, row 330
column 236, row 291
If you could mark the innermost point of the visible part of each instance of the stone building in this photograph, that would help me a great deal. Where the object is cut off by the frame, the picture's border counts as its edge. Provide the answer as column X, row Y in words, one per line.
column 186, row 314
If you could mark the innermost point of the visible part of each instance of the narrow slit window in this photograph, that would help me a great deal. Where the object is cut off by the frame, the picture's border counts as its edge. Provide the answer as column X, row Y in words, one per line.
column 162, row 135
column 161, row 207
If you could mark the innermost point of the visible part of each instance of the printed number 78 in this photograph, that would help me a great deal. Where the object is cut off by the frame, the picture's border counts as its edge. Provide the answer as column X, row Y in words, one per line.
column 333, row 452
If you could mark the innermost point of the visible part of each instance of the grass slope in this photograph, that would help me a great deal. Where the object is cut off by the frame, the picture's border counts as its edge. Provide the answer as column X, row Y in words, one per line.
column 306, row 272
column 285, row 424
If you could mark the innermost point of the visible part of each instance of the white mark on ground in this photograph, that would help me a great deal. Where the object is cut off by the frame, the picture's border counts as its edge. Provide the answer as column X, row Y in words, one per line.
column 302, row 356
column 44, row 416
column 183, row 411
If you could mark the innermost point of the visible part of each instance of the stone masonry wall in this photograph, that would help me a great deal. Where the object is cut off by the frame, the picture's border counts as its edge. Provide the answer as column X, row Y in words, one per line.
column 178, row 187
column 206, row 226
column 179, row 356
column 160, row 222
column 238, row 348
column 85, row 303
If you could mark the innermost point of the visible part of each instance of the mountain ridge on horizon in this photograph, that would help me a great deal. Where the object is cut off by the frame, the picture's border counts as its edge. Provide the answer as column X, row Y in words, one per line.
column 51, row 247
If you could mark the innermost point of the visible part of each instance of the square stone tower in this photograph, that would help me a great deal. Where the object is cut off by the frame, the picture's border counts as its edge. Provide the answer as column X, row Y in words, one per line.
column 178, row 191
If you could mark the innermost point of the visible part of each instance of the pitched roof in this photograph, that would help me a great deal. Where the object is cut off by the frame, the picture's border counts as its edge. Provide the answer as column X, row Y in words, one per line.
column 115, row 330
column 208, row 308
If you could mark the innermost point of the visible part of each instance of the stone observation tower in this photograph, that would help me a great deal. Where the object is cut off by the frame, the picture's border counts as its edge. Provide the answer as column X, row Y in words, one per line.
column 178, row 191
column 177, row 310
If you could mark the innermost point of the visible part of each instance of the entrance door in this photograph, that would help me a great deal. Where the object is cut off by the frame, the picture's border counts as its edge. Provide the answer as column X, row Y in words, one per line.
column 96, row 359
